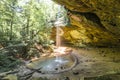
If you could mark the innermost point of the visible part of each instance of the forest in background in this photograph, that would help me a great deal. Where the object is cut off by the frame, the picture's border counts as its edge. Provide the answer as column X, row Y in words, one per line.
column 23, row 23
column 25, row 20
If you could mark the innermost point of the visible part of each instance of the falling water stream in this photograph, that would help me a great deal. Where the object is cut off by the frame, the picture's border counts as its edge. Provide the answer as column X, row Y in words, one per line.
column 58, row 63
column 59, row 32
column 57, row 24
column 58, row 41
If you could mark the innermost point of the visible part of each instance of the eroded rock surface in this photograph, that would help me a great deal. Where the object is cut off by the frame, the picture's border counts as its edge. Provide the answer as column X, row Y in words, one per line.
column 93, row 22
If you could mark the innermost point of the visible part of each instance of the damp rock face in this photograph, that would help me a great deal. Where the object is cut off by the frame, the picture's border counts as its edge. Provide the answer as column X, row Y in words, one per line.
column 92, row 22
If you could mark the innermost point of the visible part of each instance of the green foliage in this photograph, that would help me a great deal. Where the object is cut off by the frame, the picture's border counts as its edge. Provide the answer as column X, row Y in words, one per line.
column 7, row 62
column 28, row 20
column 44, row 39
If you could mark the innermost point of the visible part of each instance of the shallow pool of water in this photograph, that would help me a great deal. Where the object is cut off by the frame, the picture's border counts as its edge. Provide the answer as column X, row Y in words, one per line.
column 53, row 64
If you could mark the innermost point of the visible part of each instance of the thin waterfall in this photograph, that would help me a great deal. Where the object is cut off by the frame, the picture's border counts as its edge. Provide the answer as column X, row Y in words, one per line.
column 59, row 33
column 59, row 23
column 58, row 41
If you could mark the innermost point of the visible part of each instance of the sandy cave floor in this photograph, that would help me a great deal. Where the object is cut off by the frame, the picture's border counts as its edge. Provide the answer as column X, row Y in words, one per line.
column 92, row 62
column 83, row 64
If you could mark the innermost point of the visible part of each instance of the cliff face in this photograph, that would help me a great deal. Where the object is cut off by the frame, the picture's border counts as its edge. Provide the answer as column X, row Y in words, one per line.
column 93, row 22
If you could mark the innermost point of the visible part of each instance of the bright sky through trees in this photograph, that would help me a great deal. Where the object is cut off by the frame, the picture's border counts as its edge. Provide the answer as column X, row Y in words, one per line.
column 23, row 19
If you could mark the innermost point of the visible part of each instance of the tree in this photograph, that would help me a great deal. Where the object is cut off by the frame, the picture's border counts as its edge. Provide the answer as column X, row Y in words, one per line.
column 27, row 19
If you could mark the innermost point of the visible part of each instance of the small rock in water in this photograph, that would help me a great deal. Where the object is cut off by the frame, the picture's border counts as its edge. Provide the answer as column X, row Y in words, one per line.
column 56, row 69
column 61, row 67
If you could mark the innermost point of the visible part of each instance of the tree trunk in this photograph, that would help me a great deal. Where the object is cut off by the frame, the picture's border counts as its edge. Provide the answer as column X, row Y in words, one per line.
column 27, row 27
column 11, row 29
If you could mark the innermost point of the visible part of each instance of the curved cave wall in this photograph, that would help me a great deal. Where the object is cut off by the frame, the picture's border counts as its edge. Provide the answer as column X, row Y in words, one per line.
column 93, row 22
